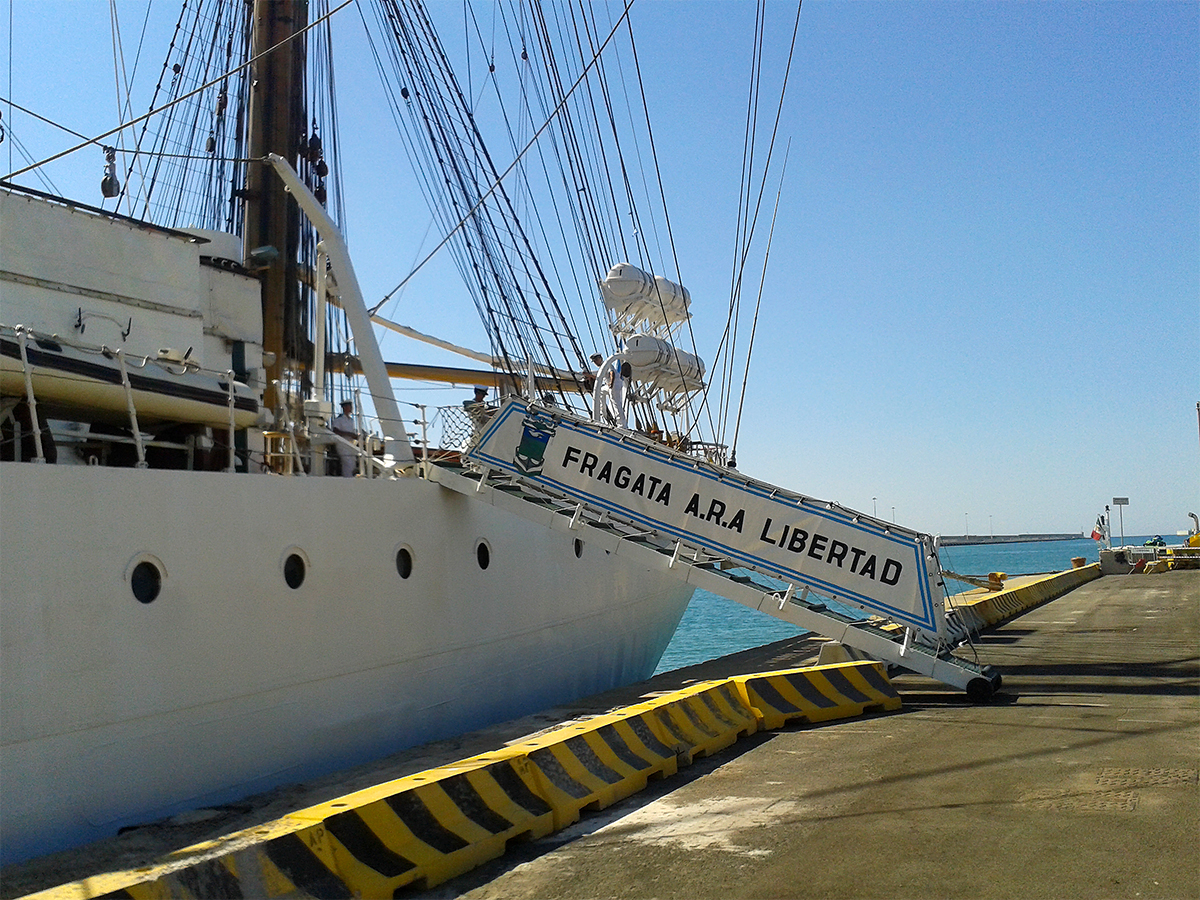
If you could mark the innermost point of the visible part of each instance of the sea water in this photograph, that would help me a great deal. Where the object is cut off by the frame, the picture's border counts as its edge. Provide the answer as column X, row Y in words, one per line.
column 713, row 626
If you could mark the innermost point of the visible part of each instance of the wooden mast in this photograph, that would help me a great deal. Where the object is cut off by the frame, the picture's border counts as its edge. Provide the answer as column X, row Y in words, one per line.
column 272, row 217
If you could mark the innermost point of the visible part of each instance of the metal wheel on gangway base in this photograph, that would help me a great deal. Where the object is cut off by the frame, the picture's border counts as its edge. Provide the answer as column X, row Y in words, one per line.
column 983, row 688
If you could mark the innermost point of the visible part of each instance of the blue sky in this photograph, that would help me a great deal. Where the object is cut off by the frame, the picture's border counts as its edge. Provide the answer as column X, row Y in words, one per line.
column 983, row 300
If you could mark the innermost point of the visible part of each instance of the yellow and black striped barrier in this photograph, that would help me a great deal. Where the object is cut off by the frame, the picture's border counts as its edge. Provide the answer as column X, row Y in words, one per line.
column 426, row 828
column 982, row 608
column 593, row 764
column 818, row 694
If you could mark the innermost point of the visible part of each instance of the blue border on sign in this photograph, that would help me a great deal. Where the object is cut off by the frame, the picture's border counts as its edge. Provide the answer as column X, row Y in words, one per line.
column 673, row 461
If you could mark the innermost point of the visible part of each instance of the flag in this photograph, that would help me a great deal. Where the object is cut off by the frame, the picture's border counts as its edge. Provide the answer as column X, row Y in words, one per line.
column 1098, row 531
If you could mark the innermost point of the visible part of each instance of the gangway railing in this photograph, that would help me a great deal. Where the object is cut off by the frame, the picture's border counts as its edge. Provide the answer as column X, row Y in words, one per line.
column 706, row 529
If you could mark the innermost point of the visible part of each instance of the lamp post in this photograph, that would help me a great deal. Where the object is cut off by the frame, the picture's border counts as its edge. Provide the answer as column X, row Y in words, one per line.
column 991, row 530
column 893, row 515
column 874, row 507
column 967, row 520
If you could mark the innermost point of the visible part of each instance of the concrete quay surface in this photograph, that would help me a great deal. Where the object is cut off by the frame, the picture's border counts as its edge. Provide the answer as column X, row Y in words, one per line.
column 1079, row 781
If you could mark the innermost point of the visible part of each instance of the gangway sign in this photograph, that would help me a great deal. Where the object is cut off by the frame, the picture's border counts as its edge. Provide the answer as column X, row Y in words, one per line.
column 812, row 545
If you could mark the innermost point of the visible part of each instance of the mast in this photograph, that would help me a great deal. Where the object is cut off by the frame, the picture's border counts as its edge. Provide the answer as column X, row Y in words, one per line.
column 276, row 125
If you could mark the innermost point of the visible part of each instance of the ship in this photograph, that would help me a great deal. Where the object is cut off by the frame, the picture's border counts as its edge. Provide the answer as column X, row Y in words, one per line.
column 197, row 605
column 214, row 586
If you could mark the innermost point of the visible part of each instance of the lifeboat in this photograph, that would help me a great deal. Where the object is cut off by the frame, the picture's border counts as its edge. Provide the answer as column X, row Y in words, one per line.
column 635, row 296
column 658, row 361
column 163, row 389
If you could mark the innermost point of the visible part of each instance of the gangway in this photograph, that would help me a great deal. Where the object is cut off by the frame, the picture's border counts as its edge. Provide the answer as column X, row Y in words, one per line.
column 724, row 532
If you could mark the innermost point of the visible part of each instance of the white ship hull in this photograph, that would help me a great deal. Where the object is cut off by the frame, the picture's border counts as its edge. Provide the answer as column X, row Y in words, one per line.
column 230, row 681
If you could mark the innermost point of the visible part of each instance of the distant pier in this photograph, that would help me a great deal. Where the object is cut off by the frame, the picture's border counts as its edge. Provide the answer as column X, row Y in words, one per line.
column 955, row 540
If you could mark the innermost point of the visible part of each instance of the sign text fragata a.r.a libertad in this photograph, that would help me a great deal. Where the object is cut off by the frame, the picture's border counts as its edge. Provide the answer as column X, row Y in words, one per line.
column 789, row 537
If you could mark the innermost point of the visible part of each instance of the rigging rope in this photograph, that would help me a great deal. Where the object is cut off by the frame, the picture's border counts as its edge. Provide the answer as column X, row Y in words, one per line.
column 757, row 305
column 767, row 164
column 748, row 223
column 743, row 231
column 688, row 426
column 30, row 112
column 505, row 308
column 588, row 151
column 28, row 157
column 153, row 112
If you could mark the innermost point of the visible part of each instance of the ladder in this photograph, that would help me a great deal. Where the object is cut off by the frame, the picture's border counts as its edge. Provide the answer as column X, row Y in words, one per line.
column 523, row 476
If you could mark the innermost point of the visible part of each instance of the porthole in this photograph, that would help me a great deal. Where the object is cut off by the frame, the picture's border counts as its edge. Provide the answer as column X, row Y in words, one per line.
column 145, row 581
column 404, row 562
column 483, row 554
column 145, row 574
column 294, row 565
column 578, row 548
column 293, row 570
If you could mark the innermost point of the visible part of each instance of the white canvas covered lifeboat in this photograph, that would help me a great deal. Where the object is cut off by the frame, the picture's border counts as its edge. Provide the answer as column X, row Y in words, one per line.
column 164, row 388
column 656, row 360
column 638, row 298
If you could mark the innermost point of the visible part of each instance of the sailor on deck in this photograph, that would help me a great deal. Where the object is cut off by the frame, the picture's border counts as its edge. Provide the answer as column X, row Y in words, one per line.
column 343, row 427
column 611, row 384
column 477, row 409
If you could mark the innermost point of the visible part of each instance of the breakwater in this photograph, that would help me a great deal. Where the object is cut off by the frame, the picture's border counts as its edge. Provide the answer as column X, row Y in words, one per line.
column 958, row 540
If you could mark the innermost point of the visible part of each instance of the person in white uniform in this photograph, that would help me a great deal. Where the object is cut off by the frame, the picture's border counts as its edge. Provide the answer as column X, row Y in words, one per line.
column 343, row 427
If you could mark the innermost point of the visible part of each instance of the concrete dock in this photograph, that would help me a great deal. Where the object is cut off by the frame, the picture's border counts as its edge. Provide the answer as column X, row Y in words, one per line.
column 1079, row 780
